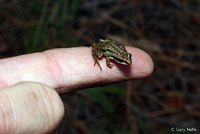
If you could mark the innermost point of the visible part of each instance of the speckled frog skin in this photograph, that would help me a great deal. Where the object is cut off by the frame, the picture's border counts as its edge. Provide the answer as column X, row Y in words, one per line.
column 111, row 50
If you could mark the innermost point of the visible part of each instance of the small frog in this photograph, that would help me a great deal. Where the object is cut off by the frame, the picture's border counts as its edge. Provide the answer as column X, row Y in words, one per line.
column 111, row 50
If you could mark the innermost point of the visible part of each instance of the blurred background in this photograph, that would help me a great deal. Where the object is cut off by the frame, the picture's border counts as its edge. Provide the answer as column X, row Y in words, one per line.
column 168, row 30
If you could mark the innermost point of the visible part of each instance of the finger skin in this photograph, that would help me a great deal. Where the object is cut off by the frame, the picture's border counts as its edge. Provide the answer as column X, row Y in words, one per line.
column 71, row 68
column 29, row 108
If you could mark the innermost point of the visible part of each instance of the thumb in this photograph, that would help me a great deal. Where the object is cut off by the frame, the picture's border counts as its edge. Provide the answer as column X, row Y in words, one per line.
column 29, row 107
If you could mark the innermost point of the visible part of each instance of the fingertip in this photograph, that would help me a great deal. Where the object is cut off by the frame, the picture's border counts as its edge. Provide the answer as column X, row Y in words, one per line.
column 142, row 63
column 148, row 65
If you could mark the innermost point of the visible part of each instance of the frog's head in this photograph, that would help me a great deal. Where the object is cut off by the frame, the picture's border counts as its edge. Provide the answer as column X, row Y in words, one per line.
column 127, row 59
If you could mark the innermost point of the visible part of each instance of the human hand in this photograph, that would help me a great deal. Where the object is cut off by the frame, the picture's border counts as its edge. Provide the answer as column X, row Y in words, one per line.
column 34, row 107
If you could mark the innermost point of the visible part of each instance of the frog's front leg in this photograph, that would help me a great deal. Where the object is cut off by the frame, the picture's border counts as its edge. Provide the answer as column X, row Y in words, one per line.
column 96, row 55
column 108, row 63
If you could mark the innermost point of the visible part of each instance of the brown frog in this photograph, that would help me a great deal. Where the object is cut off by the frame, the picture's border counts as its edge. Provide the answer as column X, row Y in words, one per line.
column 111, row 50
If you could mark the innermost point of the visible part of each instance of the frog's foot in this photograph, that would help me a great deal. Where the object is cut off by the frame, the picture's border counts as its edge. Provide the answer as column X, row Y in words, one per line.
column 95, row 59
column 108, row 63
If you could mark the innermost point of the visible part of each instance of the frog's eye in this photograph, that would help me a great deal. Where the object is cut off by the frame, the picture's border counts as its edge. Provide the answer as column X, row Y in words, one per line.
column 117, row 43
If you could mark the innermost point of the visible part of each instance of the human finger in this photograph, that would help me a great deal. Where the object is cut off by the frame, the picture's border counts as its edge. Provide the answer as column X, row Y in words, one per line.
column 71, row 68
column 29, row 107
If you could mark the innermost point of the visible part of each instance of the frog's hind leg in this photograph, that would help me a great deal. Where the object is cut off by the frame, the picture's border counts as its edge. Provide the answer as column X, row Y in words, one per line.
column 108, row 62
column 95, row 55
